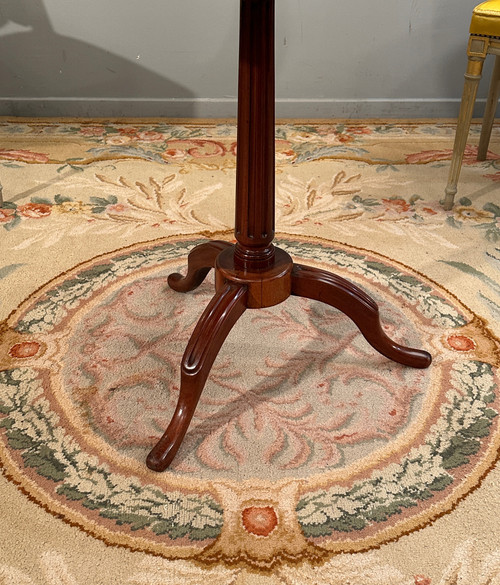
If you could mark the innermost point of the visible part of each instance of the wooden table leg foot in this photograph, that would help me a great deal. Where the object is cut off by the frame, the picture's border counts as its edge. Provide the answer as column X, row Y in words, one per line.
column 320, row 285
column 223, row 311
column 200, row 261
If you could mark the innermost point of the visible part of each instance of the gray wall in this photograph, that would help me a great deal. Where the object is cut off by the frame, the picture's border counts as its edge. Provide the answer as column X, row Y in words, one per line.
column 178, row 58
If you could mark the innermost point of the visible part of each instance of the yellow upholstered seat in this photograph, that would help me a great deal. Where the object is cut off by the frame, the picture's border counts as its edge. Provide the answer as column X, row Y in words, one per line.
column 484, row 39
column 486, row 19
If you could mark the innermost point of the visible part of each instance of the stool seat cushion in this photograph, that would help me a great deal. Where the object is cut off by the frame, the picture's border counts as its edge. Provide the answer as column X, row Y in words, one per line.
column 486, row 19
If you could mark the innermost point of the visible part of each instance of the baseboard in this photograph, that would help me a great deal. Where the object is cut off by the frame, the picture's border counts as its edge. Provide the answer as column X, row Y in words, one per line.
column 227, row 108
column 373, row 108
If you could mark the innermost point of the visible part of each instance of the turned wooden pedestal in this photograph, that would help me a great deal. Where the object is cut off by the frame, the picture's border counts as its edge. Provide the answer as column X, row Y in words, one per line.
column 253, row 273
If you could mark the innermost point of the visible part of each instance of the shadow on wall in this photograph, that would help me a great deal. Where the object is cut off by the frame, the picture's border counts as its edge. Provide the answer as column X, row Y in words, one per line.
column 44, row 73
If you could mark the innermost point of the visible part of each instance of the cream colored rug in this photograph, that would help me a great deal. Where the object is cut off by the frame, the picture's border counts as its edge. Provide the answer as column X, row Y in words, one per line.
column 311, row 458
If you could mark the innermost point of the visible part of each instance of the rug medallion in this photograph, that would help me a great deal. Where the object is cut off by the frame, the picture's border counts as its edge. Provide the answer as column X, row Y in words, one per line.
column 306, row 441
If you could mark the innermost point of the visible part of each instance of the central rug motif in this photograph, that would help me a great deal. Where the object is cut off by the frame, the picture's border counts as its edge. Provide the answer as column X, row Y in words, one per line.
column 306, row 441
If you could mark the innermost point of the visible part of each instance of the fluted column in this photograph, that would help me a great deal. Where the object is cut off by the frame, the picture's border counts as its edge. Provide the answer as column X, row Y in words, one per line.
column 255, row 171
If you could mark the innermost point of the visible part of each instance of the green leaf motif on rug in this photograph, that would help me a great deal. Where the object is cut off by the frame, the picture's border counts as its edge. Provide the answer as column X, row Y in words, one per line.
column 17, row 439
column 45, row 462
column 12, row 224
column 406, row 286
column 100, row 203
column 52, row 309
column 59, row 199
column 34, row 430
column 492, row 208
column 7, row 270
column 305, row 154
column 465, row 419
column 467, row 269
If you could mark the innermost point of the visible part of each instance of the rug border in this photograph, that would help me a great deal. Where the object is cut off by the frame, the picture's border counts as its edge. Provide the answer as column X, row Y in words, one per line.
column 417, row 523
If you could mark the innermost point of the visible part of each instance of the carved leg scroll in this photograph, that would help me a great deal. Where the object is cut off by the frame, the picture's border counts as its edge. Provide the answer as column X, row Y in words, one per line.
column 200, row 261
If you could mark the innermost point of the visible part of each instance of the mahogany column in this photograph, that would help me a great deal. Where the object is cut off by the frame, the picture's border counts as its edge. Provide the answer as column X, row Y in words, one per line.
column 254, row 224
column 254, row 273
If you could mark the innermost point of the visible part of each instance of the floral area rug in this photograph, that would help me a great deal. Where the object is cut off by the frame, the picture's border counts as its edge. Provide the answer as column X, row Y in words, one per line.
column 311, row 458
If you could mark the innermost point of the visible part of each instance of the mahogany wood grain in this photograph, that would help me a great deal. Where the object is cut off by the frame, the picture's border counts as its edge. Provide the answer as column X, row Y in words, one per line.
column 320, row 285
column 200, row 261
column 253, row 273
column 265, row 287
column 225, row 308
column 255, row 171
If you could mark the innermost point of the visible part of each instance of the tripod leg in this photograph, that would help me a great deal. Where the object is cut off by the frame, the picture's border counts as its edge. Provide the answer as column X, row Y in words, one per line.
column 200, row 261
column 225, row 308
column 316, row 284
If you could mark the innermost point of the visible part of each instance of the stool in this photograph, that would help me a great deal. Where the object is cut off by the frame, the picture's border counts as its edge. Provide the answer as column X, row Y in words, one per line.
column 484, row 39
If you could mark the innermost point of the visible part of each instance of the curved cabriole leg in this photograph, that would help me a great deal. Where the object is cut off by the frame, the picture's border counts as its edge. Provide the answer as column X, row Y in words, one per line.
column 319, row 285
column 225, row 308
column 201, row 260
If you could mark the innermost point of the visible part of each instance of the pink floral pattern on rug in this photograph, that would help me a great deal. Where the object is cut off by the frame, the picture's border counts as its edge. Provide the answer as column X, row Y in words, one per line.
column 326, row 399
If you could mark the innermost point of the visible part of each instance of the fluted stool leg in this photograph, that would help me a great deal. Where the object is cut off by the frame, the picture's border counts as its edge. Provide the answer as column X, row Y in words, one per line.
column 472, row 78
column 489, row 114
